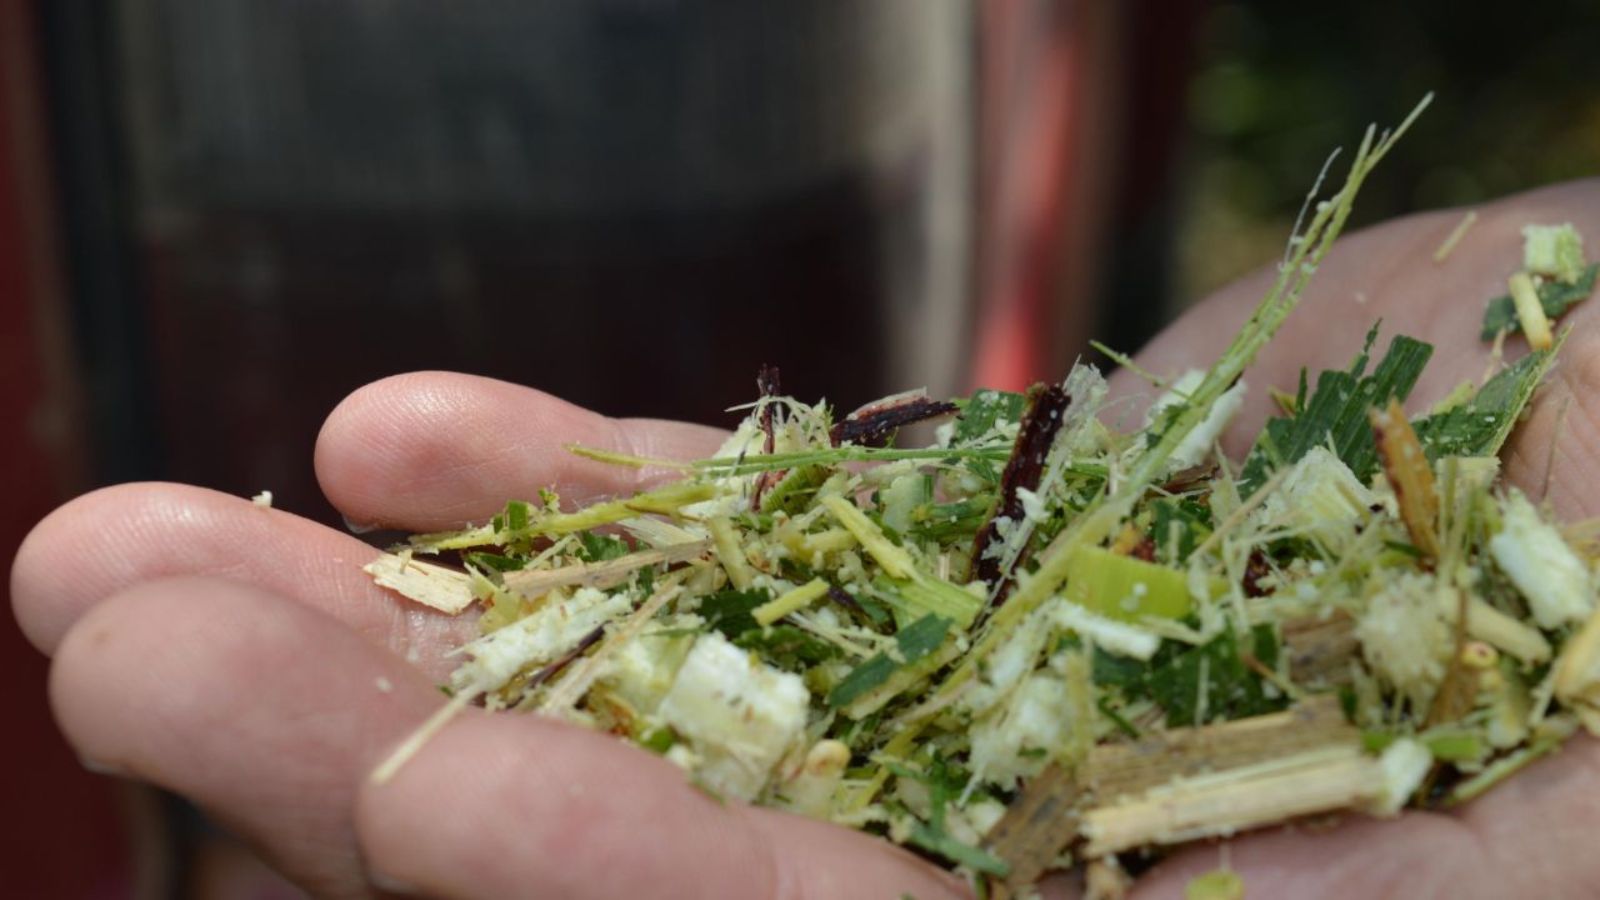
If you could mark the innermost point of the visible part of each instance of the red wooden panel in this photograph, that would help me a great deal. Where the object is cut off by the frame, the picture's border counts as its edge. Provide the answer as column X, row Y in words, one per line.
column 61, row 829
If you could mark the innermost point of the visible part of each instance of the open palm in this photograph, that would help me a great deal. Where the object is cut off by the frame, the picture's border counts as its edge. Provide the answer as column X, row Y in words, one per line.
column 238, row 655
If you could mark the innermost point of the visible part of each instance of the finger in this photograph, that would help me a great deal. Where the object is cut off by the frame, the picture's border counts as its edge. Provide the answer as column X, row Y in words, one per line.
column 1419, row 856
column 1532, row 836
column 270, row 715
column 112, row 539
column 523, row 806
column 263, row 711
column 434, row 450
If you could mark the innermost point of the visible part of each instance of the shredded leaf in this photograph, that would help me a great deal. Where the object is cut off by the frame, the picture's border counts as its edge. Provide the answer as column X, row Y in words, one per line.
column 732, row 612
column 912, row 642
column 1336, row 412
column 1480, row 426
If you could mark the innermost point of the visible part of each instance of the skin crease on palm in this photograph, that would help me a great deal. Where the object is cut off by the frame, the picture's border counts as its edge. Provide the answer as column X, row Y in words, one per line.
column 237, row 655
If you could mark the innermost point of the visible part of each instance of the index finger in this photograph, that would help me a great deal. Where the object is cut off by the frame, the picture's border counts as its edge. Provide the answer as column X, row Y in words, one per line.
column 435, row 450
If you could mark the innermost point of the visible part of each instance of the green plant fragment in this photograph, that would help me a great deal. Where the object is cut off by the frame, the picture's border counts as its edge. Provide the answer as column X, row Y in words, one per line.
column 1555, row 298
column 912, row 642
column 787, row 646
column 1124, row 587
column 941, row 844
column 732, row 612
column 1480, row 425
column 600, row 547
column 493, row 562
column 1179, row 525
column 1159, row 605
column 1336, row 412
column 863, row 678
column 921, row 637
column 985, row 409
column 1196, row 685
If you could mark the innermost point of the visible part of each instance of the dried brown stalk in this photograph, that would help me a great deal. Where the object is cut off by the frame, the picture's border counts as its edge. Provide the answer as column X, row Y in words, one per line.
column 1320, row 648
column 1037, row 827
column 1185, row 480
column 871, row 426
column 1458, row 692
column 1129, row 769
column 1047, row 406
column 1409, row 473
column 1256, row 568
column 566, row 659
column 1188, row 783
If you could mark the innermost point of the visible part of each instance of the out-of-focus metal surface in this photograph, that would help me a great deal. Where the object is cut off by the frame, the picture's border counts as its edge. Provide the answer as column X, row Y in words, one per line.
column 585, row 109
column 629, row 203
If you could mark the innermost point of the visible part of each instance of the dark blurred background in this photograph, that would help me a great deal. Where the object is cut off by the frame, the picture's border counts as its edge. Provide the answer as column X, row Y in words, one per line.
column 218, row 217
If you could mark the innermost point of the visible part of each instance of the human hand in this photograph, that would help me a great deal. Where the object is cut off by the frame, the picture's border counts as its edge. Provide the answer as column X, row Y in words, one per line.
column 1534, row 834
column 238, row 655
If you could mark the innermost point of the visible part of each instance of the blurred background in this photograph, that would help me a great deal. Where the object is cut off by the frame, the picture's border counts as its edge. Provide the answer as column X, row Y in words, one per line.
column 218, row 217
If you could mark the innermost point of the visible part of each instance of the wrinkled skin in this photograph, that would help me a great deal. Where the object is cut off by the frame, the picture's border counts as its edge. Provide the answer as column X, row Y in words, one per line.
column 237, row 655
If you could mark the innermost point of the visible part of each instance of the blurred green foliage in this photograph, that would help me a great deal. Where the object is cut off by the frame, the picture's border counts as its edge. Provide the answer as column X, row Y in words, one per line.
column 1278, row 85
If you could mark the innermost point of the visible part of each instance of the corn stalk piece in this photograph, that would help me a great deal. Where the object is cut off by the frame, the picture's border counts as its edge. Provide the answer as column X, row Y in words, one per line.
column 1219, row 779
column 1117, row 771
column 432, row 585
column 1578, row 674
column 532, row 583
column 1036, row 828
column 1315, row 781
column 1320, row 648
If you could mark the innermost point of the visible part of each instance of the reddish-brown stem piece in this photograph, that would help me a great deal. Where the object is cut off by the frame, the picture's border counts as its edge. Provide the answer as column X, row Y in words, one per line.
column 872, row 426
column 1047, row 407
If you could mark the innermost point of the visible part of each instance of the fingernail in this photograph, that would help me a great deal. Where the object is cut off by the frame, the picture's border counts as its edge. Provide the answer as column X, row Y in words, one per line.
column 103, row 768
column 359, row 527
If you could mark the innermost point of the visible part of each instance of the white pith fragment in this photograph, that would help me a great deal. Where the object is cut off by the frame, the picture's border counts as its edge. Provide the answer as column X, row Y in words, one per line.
column 538, row 638
column 641, row 671
column 1553, row 250
column 1557, row 585
column 1405, row 637
column 1320, row 497
column 1012, row 660
column 1107, row 634
column 740, row 716
column 1403, row 764
column 1196, row 446
column 1016, row 741
column 1033, row 508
